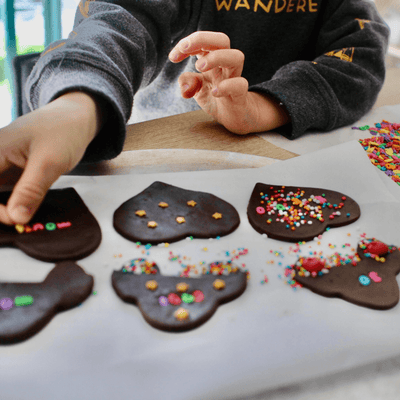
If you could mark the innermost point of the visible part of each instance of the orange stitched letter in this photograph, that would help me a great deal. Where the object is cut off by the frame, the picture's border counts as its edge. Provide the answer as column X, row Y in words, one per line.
column 311, row 5
column 262, row 5
column 223, row 3
column 241, row 4
column 277, row 9
column 301, row 5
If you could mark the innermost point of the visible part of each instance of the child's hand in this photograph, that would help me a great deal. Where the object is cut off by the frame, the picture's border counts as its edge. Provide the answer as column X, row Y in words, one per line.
column 44, row 144
column 219, row 88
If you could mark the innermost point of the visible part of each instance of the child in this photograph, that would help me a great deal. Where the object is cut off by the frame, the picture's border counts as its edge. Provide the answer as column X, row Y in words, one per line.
column 286, row 65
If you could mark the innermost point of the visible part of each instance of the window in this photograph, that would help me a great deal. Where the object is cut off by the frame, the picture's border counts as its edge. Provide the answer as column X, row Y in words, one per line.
column 30, row 36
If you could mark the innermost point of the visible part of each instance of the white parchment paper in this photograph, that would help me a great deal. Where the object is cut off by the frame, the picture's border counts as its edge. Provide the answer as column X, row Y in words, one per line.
column 269, row 337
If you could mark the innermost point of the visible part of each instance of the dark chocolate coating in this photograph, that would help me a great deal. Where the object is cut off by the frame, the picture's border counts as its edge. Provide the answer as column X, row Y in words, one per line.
column 343, row 282
column 306, row 232
column 73, row 243
column 131, row 289
column 65, row 287
column 199, row 221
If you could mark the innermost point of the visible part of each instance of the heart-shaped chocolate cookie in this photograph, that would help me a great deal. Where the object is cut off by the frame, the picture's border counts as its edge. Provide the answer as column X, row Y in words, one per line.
column 295, row 214
column 63, row 228
column 166, row 213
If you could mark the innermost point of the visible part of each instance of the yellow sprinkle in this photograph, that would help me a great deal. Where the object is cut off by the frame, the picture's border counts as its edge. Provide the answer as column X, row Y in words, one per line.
column 151, row 285
column 182, row 287
column 219, row 284
column 181, row 314
column 20, row 228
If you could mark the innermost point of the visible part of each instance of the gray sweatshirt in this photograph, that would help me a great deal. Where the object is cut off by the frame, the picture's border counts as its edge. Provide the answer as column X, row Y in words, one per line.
column 323, row 59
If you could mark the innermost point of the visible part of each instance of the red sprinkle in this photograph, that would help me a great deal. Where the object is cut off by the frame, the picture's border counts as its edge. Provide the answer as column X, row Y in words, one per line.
column 174, row 299
column 377, row 248
column 313, row 264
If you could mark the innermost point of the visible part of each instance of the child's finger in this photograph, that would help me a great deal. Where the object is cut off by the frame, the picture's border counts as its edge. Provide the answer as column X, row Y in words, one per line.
column 226, row 58
column 235, row 88
column 199, row 42
column 190, row 83
column 32, row 187
column 4, row 217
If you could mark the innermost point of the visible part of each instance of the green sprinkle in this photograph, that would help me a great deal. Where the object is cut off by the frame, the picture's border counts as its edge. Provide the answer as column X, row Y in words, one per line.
column 50, row 226
column 23, row 301
column 187, row 298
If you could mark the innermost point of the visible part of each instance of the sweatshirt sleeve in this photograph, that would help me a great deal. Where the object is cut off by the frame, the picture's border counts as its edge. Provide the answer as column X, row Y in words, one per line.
column 341, row 82
column 115, row 48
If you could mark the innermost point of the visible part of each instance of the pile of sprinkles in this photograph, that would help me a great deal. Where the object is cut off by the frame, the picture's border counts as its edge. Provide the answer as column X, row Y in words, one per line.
column 295, row 209
column 384, row 148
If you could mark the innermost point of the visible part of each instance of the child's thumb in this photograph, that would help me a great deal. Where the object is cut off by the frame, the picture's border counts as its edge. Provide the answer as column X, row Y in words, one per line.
column 30, row 190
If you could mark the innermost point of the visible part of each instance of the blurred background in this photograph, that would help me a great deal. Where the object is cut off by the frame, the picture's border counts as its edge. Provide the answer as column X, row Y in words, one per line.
column 31, row 17
column 30, row 21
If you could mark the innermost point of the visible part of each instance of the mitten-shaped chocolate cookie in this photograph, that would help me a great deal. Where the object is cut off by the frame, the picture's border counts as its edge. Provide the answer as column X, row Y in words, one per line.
column 369, row 280
column 172, row 303
column 25, row 308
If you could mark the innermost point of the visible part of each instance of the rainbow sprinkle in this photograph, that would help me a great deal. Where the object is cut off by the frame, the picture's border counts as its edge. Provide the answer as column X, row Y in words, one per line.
column 384, row 148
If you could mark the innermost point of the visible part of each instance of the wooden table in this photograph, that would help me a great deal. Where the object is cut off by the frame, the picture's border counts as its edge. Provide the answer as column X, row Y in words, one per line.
column 197, row 130
column 193, row 141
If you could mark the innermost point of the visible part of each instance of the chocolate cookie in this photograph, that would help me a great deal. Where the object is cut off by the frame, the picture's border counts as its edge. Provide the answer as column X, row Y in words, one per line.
column 166, row 213
column 172, row 303
column 294, row 214
column 368, row 281
column 63, row 228
column 25, row 308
